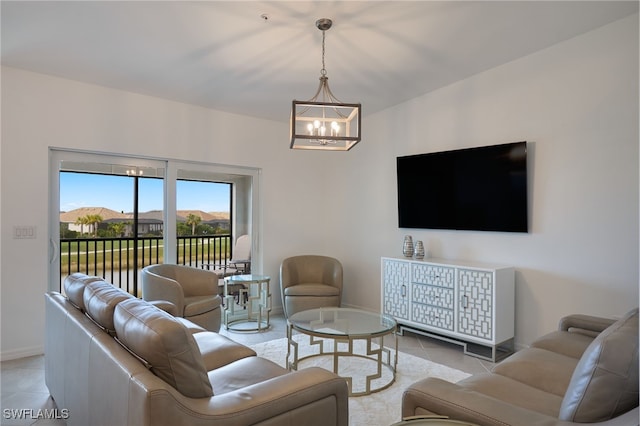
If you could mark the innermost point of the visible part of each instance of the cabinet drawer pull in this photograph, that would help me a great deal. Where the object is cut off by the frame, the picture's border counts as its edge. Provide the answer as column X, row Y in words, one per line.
column 465, row 301
column 403, row 290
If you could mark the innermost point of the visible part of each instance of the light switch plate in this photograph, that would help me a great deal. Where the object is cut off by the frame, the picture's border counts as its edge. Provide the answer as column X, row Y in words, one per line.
column 24, row 232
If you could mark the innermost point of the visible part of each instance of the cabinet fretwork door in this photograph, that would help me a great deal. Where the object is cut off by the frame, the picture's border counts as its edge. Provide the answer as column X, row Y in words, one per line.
column 475, row 292
column 396, row 289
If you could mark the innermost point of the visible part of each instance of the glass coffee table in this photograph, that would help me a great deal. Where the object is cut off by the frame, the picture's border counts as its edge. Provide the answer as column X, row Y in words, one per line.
column 346, row 335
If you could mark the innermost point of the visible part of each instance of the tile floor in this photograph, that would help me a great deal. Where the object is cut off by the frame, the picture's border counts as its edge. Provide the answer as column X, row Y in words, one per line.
column 22, row 384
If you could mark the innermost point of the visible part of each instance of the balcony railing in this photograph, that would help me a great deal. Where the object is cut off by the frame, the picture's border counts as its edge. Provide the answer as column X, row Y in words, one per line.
column 119, row 260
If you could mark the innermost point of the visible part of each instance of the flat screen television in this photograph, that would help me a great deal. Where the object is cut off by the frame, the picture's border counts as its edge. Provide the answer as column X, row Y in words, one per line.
column 479, row 189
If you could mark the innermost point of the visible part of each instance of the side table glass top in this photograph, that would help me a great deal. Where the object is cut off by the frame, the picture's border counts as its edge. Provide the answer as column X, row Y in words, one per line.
column 342, row 322
column 245, row 279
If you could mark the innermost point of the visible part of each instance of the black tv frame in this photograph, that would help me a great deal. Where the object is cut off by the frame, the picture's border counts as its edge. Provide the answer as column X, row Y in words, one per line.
column 473, row 189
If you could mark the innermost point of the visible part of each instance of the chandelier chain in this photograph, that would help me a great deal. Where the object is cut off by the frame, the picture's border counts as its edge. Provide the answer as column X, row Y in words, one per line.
column 323, row 71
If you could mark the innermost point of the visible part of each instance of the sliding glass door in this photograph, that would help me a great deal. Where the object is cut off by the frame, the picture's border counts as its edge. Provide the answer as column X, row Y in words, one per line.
column 112, row 215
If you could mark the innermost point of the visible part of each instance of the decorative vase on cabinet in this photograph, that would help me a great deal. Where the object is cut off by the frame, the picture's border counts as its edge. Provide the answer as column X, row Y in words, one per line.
column 407, row 247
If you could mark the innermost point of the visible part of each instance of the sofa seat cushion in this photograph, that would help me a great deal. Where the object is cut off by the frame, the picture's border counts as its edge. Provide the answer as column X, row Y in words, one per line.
column 165, row 344
column 309, row 289
column 564, row 342
column 100, row 300
column 540, row 369
column 605, row 381
column 513, row 392
column 197, row 305
column 242, row 373
column 218, row 350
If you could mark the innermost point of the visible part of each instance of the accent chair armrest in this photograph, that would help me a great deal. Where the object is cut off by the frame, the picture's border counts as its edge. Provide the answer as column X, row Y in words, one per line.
column 166, row 306
column 156, row 287
column 222, row 270
column 584, row 324
column 241, row 265
column 209, row 266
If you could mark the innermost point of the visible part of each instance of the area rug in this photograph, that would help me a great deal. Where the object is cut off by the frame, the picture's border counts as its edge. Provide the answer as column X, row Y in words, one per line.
column 378, row 409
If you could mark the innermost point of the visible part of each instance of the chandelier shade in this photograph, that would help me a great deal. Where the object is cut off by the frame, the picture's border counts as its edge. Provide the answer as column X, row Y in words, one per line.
column 323, row 122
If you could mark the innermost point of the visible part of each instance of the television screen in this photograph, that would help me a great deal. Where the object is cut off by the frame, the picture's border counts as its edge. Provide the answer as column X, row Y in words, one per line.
column 481, row 189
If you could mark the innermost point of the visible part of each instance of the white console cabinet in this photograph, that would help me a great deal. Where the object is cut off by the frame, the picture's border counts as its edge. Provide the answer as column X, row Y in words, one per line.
column 461, row 302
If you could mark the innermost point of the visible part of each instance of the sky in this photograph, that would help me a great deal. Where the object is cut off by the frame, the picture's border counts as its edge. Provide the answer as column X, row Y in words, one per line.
column 116, row 193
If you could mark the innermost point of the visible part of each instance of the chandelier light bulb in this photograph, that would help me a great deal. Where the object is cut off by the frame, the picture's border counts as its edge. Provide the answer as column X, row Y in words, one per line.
column 335, row 128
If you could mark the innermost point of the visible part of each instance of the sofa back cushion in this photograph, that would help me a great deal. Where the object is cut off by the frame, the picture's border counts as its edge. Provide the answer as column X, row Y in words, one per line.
column 605, row 381
column 100, row 300
column 165, row 344
column 74, row 286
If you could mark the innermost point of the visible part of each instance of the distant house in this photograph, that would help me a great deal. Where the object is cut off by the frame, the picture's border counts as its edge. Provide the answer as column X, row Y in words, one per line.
column 150, row 222
column 108, row 216
column 213, row 219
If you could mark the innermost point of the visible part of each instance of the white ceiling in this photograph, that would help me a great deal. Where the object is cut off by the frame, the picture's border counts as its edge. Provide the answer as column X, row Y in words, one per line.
column 224, row 55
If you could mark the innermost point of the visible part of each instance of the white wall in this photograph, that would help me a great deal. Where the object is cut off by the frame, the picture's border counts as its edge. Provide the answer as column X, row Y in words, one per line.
column 577, row 105
column 40, row 111
column 577, row 102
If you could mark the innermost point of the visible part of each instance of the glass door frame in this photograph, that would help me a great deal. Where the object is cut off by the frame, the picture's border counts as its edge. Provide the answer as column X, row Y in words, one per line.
column 247, row 179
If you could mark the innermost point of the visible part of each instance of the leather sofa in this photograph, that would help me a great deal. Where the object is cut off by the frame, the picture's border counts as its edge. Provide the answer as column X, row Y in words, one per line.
column 585, row 372
column 113, row 359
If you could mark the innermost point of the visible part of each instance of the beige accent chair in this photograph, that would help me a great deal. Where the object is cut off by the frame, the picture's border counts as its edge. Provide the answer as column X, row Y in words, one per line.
column 193, row 291
column 585, row 372
column 309, row 282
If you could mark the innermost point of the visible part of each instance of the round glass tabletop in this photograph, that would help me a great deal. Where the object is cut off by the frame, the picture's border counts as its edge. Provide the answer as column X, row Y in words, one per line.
column 247, row 278
column 342, row 322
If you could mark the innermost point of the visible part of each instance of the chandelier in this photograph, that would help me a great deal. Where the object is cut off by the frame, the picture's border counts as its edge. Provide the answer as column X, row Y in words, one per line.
column 323, row 122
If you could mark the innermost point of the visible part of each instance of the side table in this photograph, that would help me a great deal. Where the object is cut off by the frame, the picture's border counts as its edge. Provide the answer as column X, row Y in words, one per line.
column 254, row 302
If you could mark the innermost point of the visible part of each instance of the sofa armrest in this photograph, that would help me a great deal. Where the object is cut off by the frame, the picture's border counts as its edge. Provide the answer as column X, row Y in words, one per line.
column 584, row 324
column 439, row 397
column 436, row 396
column 286, row 393
column 312, row 396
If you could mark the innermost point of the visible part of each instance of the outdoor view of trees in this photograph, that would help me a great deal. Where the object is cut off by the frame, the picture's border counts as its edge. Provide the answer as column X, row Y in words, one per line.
column 92, row 225
column 101, row 240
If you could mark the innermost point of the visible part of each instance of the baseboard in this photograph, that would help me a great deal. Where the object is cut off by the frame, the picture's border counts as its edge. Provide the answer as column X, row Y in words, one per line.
column 520, row 346
column 277, row 310
column 21, row 353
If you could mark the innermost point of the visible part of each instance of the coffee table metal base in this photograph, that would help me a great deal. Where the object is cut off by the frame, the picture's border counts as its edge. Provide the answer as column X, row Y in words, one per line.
column 375, row 350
